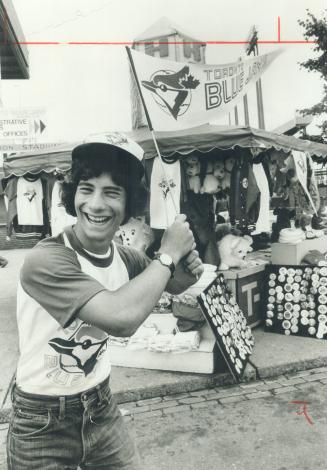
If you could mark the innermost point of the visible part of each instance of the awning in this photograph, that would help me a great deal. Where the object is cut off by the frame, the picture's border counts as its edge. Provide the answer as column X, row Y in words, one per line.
column 208, row 137
column 203, row 139
column 58, row 159
column 13, row 50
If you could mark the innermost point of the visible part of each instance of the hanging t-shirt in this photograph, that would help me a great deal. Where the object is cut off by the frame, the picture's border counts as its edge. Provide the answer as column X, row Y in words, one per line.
column 29, row 201
column 263, row 223
column 164, row 206
column 59, row 217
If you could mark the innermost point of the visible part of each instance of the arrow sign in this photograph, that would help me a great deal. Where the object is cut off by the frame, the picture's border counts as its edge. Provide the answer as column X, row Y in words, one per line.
column 39, row 125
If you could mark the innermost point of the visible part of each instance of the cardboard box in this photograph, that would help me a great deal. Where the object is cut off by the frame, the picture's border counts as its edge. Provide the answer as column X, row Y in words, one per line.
column 246, row 285
column 286, row 253
column 203, row 360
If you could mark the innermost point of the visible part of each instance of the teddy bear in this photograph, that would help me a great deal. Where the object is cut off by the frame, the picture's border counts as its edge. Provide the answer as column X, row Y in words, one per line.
column 135, row 233
column 210, row 183
column 220, row 173
column 233, row 250
column 193, row 169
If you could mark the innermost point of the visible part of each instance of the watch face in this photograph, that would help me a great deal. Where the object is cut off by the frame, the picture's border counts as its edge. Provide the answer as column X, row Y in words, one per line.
column 165, row 259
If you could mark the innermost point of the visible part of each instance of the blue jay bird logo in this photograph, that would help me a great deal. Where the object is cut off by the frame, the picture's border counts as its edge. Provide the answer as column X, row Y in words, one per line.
column 172, row 90
column 79, row 353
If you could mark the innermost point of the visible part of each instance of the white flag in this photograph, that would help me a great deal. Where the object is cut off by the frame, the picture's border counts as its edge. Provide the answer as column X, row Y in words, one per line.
column 301, row 168
column 180, row 95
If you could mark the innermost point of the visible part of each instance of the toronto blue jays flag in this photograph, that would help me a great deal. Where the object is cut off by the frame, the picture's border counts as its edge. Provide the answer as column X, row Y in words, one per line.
column 180, row 95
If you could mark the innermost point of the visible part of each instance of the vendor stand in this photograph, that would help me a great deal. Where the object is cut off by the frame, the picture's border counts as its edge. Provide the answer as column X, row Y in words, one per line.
column 206, row 193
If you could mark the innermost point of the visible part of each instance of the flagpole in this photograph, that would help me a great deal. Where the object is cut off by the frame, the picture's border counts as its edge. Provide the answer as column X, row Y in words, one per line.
column 150, row 126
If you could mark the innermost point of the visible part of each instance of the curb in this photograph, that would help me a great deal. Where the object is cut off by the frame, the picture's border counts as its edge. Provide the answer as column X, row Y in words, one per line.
column 202, row 382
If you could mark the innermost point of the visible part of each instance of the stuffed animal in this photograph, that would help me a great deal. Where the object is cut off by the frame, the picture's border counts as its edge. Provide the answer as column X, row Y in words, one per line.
column 220, row 173
column 136, row 233
column 193, row 169
column 210, row 184
column 233, row 250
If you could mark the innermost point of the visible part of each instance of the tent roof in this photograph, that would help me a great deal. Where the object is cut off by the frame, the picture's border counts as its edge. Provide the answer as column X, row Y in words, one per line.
column 49, row 161
column 203, row 139
column 208, row 137
column 162, row 27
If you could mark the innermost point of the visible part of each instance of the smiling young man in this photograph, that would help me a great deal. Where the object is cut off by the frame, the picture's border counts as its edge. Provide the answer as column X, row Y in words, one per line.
column 75, row 289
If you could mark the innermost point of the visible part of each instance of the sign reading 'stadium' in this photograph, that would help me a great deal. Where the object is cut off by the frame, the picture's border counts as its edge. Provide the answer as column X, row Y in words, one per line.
column 180, row 95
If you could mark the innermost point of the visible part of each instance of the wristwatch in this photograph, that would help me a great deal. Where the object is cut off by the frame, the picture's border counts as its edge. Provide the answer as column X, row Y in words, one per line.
column 166, row 260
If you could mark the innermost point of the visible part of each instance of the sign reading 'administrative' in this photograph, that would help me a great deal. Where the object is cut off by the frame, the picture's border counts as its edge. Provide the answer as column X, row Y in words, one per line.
column 17, row 124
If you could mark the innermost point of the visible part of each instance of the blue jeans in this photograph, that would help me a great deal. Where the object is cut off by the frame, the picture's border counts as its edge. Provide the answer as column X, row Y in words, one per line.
column 63, row 433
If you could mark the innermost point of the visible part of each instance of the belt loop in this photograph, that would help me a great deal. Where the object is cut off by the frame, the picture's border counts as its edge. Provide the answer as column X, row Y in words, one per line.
column 61, row 408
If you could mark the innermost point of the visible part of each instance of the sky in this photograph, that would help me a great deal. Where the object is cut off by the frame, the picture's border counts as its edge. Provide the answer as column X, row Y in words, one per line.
column 85, row 89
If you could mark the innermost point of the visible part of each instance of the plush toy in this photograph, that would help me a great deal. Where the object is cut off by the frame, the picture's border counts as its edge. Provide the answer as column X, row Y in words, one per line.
column 136, row 233
column 233, row 250
column 193, row 169
column 220, row 173
column 210, row 183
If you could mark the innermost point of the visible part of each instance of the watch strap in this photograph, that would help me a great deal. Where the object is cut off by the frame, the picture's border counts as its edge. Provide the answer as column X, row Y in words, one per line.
column 158, row 256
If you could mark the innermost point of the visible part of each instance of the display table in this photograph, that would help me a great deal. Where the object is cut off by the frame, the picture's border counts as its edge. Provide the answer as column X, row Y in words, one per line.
column 203, row 360
column 246, row 285
column 287, row 253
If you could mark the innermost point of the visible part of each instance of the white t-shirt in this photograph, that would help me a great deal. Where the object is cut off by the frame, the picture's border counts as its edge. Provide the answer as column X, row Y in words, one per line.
column 59, row 217
column 59, row 353
column 29, row 202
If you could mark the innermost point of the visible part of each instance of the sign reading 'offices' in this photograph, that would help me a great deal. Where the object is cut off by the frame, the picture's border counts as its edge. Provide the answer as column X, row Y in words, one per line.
column 17, row 124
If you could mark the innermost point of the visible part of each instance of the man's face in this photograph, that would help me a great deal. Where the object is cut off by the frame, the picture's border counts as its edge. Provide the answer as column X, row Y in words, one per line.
column 100, row 207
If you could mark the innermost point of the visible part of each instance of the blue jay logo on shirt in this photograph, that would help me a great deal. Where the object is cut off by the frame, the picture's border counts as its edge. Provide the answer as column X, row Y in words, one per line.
column 30, row 194
column 79, row 353
column 172, row 91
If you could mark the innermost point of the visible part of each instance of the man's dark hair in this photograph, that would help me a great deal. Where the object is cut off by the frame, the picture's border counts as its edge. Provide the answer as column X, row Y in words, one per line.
column 123, row 171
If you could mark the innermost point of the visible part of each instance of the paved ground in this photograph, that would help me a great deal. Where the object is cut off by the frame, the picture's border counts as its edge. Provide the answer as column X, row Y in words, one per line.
column 208, row 425
column 251, row 426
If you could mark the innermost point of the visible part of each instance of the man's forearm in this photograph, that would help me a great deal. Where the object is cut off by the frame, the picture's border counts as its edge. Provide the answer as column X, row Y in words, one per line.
column 121, row 312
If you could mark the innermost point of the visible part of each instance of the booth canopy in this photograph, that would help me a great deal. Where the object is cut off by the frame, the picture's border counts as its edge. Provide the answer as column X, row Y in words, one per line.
column 208, row 137
column 203, row 139
column 48, row 161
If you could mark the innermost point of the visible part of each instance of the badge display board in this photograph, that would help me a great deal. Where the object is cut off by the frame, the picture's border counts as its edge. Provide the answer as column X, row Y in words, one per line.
column 228, row 323
column 296, row 300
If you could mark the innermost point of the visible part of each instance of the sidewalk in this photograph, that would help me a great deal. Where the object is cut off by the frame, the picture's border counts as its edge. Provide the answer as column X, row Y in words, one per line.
column 273, row 355
column 249, row 407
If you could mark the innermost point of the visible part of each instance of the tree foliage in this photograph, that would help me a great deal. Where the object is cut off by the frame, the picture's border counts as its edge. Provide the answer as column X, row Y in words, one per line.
column 315, row 29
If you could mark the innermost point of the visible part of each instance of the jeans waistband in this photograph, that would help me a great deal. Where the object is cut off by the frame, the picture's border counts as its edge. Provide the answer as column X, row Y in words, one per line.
column 83, row 399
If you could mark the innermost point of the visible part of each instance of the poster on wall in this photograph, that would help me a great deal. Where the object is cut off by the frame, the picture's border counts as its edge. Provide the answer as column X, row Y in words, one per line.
column 229, row 325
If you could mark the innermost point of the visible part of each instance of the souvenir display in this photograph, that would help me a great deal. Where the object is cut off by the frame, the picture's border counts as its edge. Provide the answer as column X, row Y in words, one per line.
column 228, row 323
column 296, row 300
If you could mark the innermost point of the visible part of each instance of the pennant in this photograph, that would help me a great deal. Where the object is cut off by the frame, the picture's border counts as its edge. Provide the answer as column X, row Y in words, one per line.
column 181, row 95
column 300, row 163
